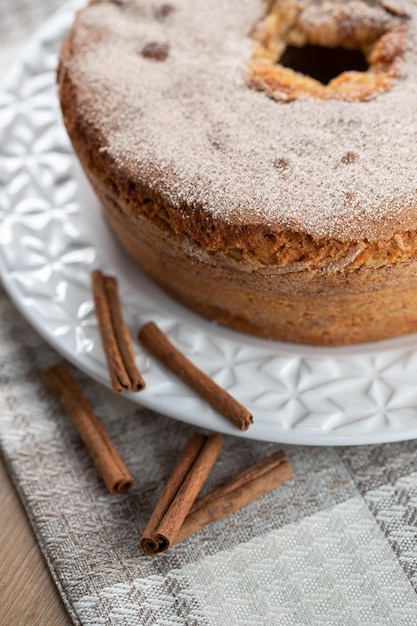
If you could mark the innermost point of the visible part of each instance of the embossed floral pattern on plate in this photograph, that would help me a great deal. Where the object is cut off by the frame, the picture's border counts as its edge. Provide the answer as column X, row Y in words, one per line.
column 52, row 235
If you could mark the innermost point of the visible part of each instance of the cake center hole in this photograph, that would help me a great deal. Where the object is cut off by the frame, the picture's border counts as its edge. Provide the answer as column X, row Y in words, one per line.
column 323, row 63
column 348, row 50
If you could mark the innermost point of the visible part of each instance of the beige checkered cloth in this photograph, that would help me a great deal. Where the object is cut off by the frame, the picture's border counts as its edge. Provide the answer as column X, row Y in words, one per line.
column 337, row 545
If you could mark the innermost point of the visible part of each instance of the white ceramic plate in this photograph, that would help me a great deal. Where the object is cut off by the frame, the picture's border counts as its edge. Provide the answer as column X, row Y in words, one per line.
column 52, row 235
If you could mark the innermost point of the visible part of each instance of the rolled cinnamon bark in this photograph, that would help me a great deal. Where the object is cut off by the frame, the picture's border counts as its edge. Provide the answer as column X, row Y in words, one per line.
column 236, row 493
column 115, row 337
column 112, row 469
column 180, row 492
column 160, row 346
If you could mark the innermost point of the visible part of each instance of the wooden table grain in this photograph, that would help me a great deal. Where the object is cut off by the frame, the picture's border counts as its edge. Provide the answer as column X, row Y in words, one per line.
column 28, row 596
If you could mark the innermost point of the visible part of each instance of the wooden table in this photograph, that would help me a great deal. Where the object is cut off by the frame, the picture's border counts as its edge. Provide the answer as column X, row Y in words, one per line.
column 28, row 596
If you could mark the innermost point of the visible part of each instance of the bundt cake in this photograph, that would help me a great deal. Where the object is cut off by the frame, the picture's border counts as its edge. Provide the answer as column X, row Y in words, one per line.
column 257, row 159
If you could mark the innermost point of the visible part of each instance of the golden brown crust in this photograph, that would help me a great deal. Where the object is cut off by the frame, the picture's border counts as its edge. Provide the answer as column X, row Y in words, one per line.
column 258, row 243
column 274, row 282
column 354, row 25
column 310, row 306
column 262, row 245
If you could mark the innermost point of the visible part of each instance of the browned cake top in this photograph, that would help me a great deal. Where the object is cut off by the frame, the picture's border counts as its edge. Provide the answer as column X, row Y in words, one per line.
column 173, row 90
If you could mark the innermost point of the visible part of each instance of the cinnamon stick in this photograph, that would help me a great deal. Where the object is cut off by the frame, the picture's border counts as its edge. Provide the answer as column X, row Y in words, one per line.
column 113, row 471
column 180, row 492
column 115, row 337
column 236, row 493
column 160, row 346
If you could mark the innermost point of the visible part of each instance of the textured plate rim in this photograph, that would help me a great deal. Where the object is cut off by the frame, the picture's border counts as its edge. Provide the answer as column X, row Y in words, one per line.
column 308, row 436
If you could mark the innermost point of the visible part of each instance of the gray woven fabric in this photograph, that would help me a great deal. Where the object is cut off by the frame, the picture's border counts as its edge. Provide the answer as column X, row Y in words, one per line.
column 335, row 545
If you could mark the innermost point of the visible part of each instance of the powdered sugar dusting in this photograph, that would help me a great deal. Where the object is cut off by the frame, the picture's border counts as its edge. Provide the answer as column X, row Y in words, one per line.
column 214, row 142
